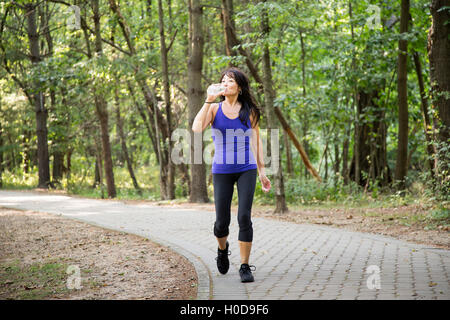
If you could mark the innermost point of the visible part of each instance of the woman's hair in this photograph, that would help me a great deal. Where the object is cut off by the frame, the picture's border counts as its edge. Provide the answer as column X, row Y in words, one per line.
column 245, row 97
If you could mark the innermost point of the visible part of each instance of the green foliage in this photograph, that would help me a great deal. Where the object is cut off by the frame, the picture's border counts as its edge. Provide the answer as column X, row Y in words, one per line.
column 441, row 214
column 319, row 103
column 310, row 191
column 18, row 179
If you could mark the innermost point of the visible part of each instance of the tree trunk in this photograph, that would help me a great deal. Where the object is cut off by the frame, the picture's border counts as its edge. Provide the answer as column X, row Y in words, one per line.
column 233, row 40
column 439, row 56
column 97, row 180
column 345, row 149
column 1, row 146
column 305, row 120
column 195, row 101
column 287, row 145
column 159, row 154
column 170, row 192
column 38, row 100
column 401, row 168
column 228, row 27
column 371, row 142
column 355, row 104
column 102, row 112
column 58, row 155
column 427, row 125
column 269, row 97
column 149, row 124
column 124, row 143
column 337, row 159
column 27, row 154
column 99, row 165
column 58, row 165
column 69, row 163
column 369, row 162
column 185, row 179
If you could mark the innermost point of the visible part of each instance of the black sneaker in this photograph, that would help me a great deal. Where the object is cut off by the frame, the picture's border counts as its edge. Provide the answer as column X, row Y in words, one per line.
column 223, row 264
column 246, row 273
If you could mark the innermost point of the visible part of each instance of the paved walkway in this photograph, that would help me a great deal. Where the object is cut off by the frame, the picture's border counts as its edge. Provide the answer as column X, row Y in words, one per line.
column 293, row 261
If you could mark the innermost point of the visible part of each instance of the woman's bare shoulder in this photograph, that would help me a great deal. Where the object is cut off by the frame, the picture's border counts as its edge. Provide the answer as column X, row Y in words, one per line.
column 214, row 108
column 252, row 119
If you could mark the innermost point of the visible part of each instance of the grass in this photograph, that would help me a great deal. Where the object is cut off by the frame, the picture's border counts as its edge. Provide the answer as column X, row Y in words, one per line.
column 436, row 218
column 32, row 282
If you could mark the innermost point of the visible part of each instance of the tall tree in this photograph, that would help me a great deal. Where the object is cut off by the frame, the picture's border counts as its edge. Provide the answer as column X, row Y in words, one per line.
column 369, row 163
column 228, row 27
column 269, row 98
column 357, row 145
column 102, row 110
column 401, row 167
column 439, row 56
column 58, row 154
column 38, row 97
column 170, row 192
column 1, row 144
column 195, row 96
column 428, row 126
column 123, row 141
column 305, row 122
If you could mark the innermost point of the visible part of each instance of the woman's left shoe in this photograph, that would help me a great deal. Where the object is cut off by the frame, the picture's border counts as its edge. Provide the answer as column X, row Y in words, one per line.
column 223, row 264
column 246, row 273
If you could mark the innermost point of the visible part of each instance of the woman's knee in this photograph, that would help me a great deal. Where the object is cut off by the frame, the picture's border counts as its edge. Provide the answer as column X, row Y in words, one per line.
column 244, row 221
column 221, row 229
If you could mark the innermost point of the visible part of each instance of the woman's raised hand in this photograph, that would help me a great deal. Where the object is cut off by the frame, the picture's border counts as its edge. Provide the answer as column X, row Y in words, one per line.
column 215, row 90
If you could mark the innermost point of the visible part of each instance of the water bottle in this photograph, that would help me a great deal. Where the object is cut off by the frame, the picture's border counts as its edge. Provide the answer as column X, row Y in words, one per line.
column 215, row 89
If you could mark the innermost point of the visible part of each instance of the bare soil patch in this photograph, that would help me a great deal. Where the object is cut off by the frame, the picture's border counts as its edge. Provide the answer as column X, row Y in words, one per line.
column 40, row 255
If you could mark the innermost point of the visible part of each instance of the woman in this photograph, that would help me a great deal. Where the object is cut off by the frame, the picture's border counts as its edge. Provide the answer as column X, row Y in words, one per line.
column 237, row 145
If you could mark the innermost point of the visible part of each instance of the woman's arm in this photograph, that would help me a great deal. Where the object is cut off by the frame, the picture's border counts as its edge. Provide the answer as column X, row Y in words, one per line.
column 203, row 117
column 257, row 148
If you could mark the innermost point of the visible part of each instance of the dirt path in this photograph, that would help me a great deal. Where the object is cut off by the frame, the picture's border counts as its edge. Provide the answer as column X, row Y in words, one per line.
column 37, row 249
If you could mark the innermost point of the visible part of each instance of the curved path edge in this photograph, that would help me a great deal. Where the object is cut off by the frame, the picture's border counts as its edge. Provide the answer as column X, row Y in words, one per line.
column 204, row 285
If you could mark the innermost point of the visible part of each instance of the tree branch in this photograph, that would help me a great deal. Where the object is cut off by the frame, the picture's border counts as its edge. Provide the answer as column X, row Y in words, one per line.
column 171, row 41
column 82, row 20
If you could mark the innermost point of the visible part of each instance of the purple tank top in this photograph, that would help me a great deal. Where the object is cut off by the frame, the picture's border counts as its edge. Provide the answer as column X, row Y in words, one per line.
column 232, row 144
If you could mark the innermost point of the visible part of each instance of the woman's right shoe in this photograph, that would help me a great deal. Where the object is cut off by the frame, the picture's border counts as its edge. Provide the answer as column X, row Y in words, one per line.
column 223, row 264
column 246, row 273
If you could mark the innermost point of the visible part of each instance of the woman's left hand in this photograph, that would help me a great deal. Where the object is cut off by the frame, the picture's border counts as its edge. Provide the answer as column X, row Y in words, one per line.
column 265, row 182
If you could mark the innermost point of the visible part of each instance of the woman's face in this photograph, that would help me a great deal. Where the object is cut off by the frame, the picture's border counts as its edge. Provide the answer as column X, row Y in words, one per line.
column 231, row 86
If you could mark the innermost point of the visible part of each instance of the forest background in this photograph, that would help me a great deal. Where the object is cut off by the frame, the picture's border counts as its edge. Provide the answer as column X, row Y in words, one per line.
column 91, row 93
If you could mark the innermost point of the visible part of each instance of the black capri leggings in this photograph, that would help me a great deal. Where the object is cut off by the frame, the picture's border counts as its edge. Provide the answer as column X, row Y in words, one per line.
column 223, row 194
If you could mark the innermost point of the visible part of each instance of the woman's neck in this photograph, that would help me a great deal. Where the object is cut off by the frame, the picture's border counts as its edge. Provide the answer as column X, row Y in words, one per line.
column 231, row 101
